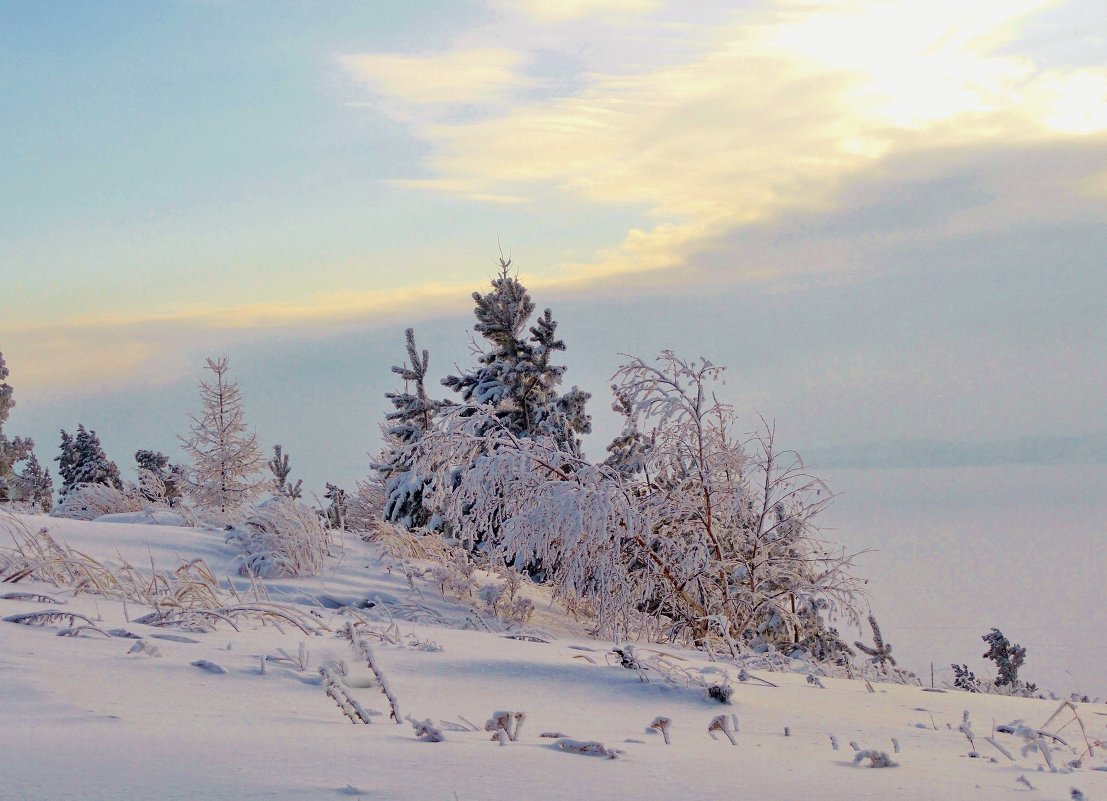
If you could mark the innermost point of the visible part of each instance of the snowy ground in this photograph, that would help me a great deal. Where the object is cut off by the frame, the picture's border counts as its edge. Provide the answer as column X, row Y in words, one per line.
column 80, row 717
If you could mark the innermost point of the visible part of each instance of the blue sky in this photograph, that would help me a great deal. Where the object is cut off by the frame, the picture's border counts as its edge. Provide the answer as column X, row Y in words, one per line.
column 886, row 218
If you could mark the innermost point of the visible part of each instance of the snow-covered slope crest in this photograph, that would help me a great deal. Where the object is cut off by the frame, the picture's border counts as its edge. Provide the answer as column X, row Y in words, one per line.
column 238, row 709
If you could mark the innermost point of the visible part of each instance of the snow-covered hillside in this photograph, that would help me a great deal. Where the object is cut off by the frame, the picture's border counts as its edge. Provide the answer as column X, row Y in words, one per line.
column 127, row 710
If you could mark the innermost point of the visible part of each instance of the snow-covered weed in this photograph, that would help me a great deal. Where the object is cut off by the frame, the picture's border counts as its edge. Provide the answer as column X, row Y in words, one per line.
column 335, row 689
column 90, row 501
column 187, row 595
column 588, row 748
column 299, row 661
column 877, row 759
column 365, row 652
column 281, row 538
column 663, row 725
column 48, row 617
column 426, row 731
column 505, row 726
column 727, row 724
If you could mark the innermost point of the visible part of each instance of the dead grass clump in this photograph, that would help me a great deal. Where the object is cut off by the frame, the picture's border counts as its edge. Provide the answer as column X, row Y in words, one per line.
column 187, row 595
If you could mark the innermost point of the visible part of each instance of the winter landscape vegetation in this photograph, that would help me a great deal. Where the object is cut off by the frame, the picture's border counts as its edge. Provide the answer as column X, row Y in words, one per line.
column 766, row 461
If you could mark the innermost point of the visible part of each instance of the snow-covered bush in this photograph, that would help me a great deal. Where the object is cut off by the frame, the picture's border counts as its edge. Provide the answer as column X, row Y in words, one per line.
column 1008, row 659
column 281, row 537
column 703, row 538
column 90, row 501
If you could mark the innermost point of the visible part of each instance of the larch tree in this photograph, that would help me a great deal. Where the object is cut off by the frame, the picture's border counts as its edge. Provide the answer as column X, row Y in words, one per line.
column 225, row 454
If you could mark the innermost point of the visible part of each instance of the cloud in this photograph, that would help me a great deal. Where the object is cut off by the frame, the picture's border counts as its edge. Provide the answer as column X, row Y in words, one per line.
column 563, row 10
column 107, row 351
column 770, row 115
column 457, row 77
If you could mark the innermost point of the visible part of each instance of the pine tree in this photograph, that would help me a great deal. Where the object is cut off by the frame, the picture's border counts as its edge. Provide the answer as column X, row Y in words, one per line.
column 38, row 486
column 82, row 461
column 11, row 450
column 413, row 416
column 1007, row 656
column 225, row 454
column 67, row 462
column 516, row 376
column 280, row 469
column 337, row 511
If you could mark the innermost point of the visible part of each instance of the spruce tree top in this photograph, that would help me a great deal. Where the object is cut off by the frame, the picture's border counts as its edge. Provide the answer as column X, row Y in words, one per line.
column 515, row 375
column 82, row 461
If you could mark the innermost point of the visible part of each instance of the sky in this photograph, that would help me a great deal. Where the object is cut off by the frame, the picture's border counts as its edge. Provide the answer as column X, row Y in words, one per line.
column 886, row 218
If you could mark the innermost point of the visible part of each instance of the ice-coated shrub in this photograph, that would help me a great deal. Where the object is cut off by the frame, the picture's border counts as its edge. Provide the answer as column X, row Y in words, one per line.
column 90, row 501
column 281, row 537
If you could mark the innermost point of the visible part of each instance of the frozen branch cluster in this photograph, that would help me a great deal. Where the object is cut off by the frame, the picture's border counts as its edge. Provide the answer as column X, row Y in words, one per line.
column 684, row 532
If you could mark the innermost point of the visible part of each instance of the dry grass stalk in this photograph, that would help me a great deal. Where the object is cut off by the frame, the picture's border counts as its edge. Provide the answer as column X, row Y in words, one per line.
column 49, row 617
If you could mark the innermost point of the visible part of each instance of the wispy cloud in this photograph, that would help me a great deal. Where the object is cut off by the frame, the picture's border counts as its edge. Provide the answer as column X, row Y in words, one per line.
column 456, row 77
column 562, row 10
column 771, row 115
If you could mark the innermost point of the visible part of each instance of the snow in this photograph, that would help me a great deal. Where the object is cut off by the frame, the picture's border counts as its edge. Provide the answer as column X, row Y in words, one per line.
column 83, row 717
column 149, row 517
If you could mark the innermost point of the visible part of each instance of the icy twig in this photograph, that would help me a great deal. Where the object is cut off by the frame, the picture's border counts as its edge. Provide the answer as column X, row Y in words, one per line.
column 425, row 730
column 34, row 597
column 999, row 747
column 336, row 691
column 361, row 647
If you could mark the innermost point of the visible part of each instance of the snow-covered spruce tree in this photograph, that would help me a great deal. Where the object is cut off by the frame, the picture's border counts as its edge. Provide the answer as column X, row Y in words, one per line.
column 11, row 450
column 82, row 461
column 1008, row 658
column 513, row 391
column 524, row 501
column 37, row 487
column 414, row 414
column 516, row 377
column 337, row 511
column 225, row 454
column 280, row 469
